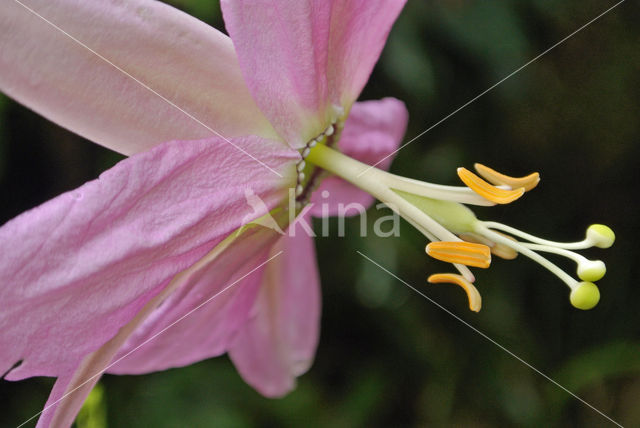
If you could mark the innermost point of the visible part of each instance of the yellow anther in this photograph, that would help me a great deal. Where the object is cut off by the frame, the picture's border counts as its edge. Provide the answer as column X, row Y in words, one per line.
column 466, row 253
column 486, row 190
column 475, row 300
column 494, row 177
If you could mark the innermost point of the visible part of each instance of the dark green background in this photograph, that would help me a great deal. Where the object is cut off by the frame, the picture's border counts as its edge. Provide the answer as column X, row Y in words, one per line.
column 388, row 356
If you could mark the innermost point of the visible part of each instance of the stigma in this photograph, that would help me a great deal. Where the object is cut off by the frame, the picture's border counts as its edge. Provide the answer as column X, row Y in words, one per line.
column 458, row 237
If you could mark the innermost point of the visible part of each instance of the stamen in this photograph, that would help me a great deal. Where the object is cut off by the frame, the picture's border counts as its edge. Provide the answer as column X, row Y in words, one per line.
column 504, row 252
column 350, row 169
column 466, row 253
column 475, row 300
column 494, row 177
column 436, row 212
column 465, row 272
column 461, row 194
column 497, row 249
column 521, row 248
column 486, row 190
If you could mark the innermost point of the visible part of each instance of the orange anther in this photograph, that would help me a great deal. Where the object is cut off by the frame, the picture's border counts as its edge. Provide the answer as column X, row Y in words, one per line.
column 466, row 253
column 494, row 177
column 475, row 300
column 486, row 190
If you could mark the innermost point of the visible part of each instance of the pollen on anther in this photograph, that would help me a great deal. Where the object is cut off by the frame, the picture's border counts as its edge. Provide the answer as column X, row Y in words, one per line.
column 494, row 177
column 488, row 191
column 475, row 300
column 466, row 253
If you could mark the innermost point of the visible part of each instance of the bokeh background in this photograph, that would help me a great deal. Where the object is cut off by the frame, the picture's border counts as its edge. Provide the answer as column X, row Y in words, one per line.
column 387, row 356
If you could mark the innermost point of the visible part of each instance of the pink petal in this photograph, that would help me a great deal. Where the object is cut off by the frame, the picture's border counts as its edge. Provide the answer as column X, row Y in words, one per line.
column 177, row 56
column 201, row 317
column 282, row 48
column 306, row 61
column 278, row 343
column 237, row 263
column 359, row 31
column 80, row 266
column 67, row 396
column 74, row 385
column 373, row 131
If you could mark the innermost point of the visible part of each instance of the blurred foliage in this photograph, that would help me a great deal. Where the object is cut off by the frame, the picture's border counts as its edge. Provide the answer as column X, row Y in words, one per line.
column 93, row 413
column 387, row 356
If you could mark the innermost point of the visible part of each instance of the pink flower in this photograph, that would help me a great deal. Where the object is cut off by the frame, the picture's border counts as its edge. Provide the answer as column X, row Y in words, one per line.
column 162, row 261
column 142, row 269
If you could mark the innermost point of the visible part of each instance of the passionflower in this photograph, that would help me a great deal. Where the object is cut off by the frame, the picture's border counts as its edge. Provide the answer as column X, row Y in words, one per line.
column 164, row 260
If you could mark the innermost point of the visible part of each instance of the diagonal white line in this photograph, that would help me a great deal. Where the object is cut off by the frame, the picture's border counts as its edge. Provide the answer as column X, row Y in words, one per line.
column 493, row 86
column 489, row 339
column 144, row 85
column 153, row 337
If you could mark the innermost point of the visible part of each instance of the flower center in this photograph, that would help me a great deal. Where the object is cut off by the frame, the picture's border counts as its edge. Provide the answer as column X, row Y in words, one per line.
column 309, row 176
column 456, row 234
